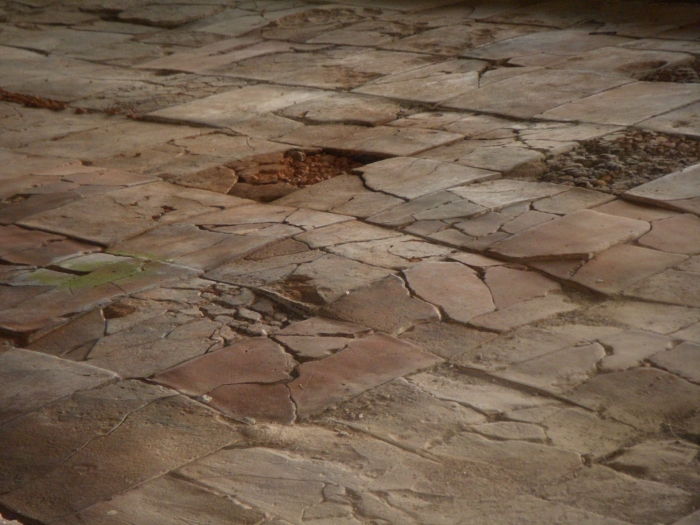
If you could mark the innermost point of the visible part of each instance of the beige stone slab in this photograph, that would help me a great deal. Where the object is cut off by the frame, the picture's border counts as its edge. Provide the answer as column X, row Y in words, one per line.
column 670, row 286
column 535, row 92
column 630, row 348
column 623, row 61
column 497, row 195
column 345, row 232
column 229, row 108
column 510, row 286
column 674, row 190
column 627, row 105
column 484, row 225
column 579, row 234
column 659, row 318
column 452, row 287
column 397, row 253
column 432, row 205
column 526, row 312
column 622, row 266
column 510, row 159
column 573, row 200
column 635, row 211
column 678, row 234
column 411, row 178
column 684, row 121
column 527, row 220
column 344, row 108
column 447, row 340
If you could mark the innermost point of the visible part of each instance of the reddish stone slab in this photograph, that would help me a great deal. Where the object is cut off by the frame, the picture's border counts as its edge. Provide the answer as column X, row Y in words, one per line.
column 254, row 402
column 256, row 360
column 362, row 365
column 679, row 234
column 509, row 286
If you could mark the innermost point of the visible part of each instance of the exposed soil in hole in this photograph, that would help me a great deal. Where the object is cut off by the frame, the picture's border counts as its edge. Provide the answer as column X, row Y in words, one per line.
column 683, row 74
column 269, row 177
column 622, row 161
column 31, row 101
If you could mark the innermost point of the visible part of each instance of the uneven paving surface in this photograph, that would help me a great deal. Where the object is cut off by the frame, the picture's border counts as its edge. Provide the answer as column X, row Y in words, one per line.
column 485, row 311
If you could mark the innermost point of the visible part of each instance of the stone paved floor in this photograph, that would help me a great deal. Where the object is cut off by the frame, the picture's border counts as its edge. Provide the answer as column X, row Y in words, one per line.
column 435, row 338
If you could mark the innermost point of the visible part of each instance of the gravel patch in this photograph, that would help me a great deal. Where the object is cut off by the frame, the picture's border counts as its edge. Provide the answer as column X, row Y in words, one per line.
column 619, row 162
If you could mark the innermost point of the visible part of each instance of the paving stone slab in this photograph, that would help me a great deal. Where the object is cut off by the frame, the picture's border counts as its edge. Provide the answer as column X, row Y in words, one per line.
column 630, row 348
column 659, row 318
column 642, row 397
column 525, row 312
column 627, row 105
column 32, row 380
column 122, row 214
column 678, row 234
column 679, row 190
column 670, row 286
column 411, row 178
column 165, row 434
column 509, row 286
column 681, row 360
column 571, row 201
column 500, row 194
column 446, row 340
column 603, row 490
column 619, row 268
column 361, row 366
column 387, row 306
column 396, row 254
column 533, row 93
column 167, row 498
column 345, row 108
column 579, row 234
column 167, row 16
column 639, row 212
column 685, row 121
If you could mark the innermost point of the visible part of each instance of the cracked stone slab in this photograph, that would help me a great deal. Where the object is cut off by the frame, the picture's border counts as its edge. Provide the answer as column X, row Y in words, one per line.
column 178, row 429
column 167, row 498
column 411, row 178
column 364, row 364
column 345, row 108
column 344, row 232
column 685, row 120
column 398, row 253
column 578, row 235
column 453, row 287
column 125, row 213
column 447, row 340
column 630, row 348
column 678, row 234
column 498, row 194
column 571, row 201
column 619, row 268
column 167, row 16
column 670, row 286
column 386, row 305
column 659, row 318
column 532, row 93
column 681, row 360
column 679, row 190
column 434, row 206
column 32, row 380
column 626, row 105
column 642, row 397
column 525, row 312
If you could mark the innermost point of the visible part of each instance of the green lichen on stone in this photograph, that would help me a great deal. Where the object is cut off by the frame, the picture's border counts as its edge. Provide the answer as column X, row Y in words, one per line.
column 107, row 274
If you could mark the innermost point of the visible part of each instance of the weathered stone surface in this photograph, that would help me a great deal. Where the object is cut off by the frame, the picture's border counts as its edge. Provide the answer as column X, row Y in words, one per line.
column 345, row 108
column 627, row 105
column 509, row 286
column 642, row 397
column 671, row 286
column 396, row 253
column 571, row 201
column 163, row 435
column 167, row 16
column 635, row 211
column 682, row 360
column 446, row 340
column 386, row 306
column 256, row 360
column 580, row 234
column 167, row 498
column 32, row 380
column 452, row 287
column 603, row 490
column 411, row 178
column 622, row 266
column 345, row 232
column 525, row 312
column 500, row 194
column 659, row 318
column 250, row 403
column 362, row 365
column 630, row 348
column 679, row 234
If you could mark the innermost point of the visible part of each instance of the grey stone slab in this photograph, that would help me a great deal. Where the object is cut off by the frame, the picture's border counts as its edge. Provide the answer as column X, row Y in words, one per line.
column 411, row 178
column 685, row 121
column 533, row 93
column 681, row 360
column 627, row 105
column 677, row 190
column 32, row 380
column 395, row 253
column 432, row 203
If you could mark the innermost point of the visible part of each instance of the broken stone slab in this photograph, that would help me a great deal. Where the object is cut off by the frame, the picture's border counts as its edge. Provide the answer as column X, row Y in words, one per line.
column 344, row 232
column 453, row 287
column 685, row 120
column 178, row 429
column 645, row 398
column 603, row 490
column 525, row 312
column 433, row 205
column 32, row 380
column 364, row 364
column 619, row 268
column 678, row 234
column 499, row 194
column 578, row 235
column 253, row 361
column 571, row 201
column 167, row 498
column 410, row 178
column 626, row 105
column 544, row 90
column 386, row 305
column 679, row 190
column 630, row 348
column 658, row 318
column 401, row 412
column 670, row 286
column 445, row 339
column 167, row 16
column 344, row 108
column 682, row 360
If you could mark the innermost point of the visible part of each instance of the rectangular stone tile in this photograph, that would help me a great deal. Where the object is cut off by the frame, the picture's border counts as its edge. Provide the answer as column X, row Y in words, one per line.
column 535, row 92
column 164, row 435
column 627, row 105
column 122, row 214
column 411, row 178
column 31, row 380
column 362, row 365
